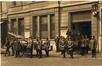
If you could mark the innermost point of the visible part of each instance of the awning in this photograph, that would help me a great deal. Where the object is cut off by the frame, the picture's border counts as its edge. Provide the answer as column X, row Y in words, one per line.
column 83, row 16
column 16, row 36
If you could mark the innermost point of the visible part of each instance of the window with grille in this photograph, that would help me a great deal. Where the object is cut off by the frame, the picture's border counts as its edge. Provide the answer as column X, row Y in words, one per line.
column 44, row 27
column 14, row 3
column 52, row 26
column 34, row 27
column 21, row 26
column 13, row 25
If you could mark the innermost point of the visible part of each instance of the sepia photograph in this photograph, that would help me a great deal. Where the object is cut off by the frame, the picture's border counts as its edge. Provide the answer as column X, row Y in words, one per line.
column 51, row 33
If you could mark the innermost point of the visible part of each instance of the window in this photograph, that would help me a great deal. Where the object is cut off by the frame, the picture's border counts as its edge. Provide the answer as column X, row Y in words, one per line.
column 14, row 3
column 34, row 24
column 43, row 27
column 52, row 27
column 21, row 26
column 13, row 25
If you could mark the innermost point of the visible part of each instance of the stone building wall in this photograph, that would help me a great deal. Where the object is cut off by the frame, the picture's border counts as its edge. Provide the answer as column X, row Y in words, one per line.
column 28, row 10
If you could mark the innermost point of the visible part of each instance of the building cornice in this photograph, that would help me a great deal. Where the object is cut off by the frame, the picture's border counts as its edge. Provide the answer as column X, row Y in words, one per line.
column 79, row 3
column 30, row 10
column 49, row 7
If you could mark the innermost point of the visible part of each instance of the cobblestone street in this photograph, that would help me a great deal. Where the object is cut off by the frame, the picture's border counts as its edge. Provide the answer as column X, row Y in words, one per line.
column 55, row 59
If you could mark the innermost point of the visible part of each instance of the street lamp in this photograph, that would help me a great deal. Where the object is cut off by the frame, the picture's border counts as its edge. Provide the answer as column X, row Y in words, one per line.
column 95, row 10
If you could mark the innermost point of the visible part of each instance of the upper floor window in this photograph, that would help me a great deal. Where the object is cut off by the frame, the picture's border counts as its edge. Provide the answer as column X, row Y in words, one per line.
column 37, row 1
column 14, row 3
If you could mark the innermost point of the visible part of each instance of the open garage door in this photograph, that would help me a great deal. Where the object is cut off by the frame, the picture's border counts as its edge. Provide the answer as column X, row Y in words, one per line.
column 84, row 28
column 81, row 22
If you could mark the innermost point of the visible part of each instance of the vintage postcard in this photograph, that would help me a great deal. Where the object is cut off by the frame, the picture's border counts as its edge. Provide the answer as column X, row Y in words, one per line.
column 51, row 33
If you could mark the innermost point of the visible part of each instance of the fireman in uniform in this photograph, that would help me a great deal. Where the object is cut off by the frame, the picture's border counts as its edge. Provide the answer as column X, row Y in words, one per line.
column 39, row 47
column 62, row 46
column 30, row 45
column 7, row 44
column 86, row 40
column 47, row 45
column 70, row 45
column 93, row 46
column 57, row 43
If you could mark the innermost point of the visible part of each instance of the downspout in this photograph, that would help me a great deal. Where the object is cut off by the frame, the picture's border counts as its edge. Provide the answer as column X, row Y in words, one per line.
column 1, row 12
column 59, row 18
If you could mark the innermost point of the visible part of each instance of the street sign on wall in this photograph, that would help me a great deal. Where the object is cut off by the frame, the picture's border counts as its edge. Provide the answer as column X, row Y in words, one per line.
column 27, row 34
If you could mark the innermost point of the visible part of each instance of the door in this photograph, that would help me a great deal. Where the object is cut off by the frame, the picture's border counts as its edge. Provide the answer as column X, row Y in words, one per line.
column 84, row 28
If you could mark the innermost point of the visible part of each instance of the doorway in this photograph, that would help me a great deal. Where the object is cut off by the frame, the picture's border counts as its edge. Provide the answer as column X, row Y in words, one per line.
column 4, row 32
column 84, row 28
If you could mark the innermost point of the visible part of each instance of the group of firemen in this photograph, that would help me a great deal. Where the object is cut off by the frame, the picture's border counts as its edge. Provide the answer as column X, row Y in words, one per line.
column 64, row 45
column 71, row 45
column 82, row 46
column 18, row 46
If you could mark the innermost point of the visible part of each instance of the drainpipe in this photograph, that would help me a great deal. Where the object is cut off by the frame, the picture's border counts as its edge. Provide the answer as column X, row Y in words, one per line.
column 1, row 12
column 59, row 18
column 100, row 31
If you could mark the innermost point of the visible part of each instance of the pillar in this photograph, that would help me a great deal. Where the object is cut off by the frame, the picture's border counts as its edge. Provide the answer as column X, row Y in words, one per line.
column 16, row 25
column 94, row 30
column 57, row 27
column 38, row 27
column 27, row 28
column 100, row 31
column 49, row 26
column 69, row 20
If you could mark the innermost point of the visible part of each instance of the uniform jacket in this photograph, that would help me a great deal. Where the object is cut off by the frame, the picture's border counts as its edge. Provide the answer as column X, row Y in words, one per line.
column 93, row 44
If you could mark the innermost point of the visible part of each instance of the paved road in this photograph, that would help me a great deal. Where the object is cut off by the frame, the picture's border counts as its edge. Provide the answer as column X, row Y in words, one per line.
column 55, row 59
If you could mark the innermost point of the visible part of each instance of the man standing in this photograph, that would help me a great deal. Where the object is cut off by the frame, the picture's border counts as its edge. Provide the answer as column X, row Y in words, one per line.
column 7, row 46
column 57, row 43
column 12, row 46
column 47, row 45
column 39, row 47
column 62, row 45
column 93, row 46
column 36, row 42
column 70, row 46
column 17, row 47
column 86, row 40
column 30, row 46
column 82, row 46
